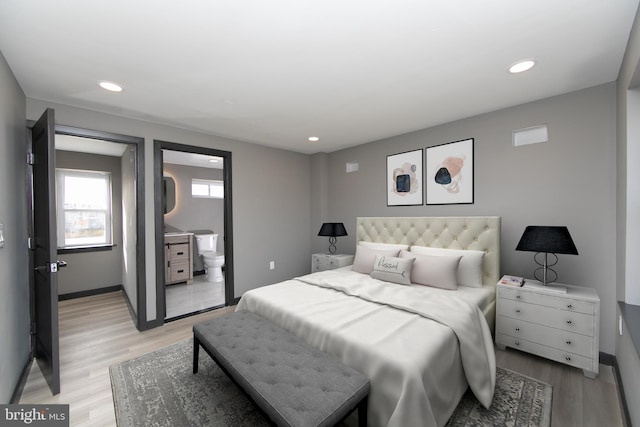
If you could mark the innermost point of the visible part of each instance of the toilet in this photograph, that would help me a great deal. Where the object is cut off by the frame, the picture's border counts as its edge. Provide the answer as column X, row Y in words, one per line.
column 213, row 261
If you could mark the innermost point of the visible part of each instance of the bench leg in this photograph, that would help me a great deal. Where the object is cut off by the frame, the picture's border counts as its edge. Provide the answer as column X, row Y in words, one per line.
column 362, row 412
column 196, row 351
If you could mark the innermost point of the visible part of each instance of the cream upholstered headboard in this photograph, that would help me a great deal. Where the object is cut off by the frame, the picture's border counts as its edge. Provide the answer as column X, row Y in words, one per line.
column 475, row 233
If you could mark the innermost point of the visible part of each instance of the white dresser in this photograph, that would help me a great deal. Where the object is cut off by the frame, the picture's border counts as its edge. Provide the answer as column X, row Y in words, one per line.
column 559, row 326
column 320, row 262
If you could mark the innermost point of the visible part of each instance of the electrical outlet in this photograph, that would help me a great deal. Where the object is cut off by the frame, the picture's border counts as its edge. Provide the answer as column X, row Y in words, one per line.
column 272, row 265
column 1, row 235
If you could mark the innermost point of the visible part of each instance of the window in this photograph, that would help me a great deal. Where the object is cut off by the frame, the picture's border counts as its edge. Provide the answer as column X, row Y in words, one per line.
column 84, row 208
column 208, row 189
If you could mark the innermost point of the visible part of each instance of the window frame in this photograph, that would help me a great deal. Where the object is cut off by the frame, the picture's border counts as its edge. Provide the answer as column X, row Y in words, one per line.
column 61, row 173
column 218, row 183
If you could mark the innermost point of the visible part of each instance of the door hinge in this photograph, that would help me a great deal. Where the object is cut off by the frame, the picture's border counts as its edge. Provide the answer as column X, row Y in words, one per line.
column 31, row 159
column 32, row 329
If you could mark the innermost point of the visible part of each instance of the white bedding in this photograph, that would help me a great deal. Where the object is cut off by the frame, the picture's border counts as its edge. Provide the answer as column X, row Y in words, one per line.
column 417, row 371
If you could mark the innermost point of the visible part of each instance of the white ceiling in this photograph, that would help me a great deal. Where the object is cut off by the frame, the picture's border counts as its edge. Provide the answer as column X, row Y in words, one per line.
column 276, row 72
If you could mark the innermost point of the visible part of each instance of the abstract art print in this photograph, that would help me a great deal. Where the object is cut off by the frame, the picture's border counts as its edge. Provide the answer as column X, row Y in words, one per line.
column 449, row 173
column 404, row 179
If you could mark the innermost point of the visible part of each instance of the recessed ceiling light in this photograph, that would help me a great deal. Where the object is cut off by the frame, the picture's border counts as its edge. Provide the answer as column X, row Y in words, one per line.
column 110, row 86
column 314, row 139
column 522, row 66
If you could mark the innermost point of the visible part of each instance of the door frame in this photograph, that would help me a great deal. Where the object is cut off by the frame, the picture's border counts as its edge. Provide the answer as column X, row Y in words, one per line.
column 158, row 167
column 139, row 315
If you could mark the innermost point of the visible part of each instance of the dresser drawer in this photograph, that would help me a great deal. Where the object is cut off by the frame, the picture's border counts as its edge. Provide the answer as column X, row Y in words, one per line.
column 559, row 319
column 548, row 352
column 179, row 252
column 178, row 272
column 563, row 340
column 562, row 303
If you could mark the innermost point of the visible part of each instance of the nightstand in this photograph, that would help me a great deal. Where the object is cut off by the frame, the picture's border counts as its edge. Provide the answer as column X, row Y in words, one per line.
column 320, row 262
column 559, row 326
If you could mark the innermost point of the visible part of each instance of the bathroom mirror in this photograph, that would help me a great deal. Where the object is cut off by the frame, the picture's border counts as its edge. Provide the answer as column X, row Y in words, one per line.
column 169, row 194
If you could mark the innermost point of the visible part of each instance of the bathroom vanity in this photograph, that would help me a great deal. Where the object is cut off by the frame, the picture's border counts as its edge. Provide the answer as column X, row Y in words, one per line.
column 178, row 257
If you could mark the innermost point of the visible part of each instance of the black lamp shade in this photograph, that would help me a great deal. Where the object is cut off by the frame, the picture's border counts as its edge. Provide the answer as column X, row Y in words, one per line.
column 551, row 239
column 332, row 229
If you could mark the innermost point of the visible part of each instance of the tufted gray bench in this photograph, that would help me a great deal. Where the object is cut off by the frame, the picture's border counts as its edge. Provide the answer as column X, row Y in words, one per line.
column 293, row 383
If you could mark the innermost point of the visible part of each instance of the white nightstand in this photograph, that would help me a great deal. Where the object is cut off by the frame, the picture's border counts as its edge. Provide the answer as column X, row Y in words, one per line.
column 320, row 262
column 559, row 326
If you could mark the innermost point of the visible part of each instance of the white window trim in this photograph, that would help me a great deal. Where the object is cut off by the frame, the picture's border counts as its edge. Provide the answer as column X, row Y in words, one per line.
column 216, row 188
column 60, row 193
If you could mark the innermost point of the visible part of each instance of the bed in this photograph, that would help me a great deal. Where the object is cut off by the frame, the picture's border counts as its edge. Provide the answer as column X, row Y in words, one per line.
column 420, row 346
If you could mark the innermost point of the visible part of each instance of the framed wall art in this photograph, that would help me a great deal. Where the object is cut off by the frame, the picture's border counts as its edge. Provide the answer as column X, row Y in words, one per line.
column 449, row 173
column 404, row 179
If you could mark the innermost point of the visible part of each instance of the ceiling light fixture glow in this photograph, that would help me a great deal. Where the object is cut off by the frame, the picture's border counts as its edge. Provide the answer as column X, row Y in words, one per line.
column 522, row 66
column 110, row 86
column 314, row 139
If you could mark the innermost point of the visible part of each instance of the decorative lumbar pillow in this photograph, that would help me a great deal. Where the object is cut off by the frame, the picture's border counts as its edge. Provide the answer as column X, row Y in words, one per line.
column 392, row 269
column 364, row 258
column 385, row 246
column 438, row 271
column 469, row 269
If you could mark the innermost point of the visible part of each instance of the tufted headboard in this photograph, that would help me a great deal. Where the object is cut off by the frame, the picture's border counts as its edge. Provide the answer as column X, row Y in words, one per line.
column 475, row 233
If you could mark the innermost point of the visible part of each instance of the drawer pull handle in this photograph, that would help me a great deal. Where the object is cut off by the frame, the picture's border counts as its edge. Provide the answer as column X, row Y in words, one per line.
column 568, row 359
column 569, row 322
column 180, row 271
column 517, row 310
column 569, row 306
column 517, row 343
column 179, row 253
column 569, row 342
column 517, row 329
column 518, row 296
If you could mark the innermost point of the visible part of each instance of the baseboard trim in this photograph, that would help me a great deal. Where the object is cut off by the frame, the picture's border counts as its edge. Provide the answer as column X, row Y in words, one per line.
column 89, row 293
column 623, row 398
column 22, row 381
column 607, row 359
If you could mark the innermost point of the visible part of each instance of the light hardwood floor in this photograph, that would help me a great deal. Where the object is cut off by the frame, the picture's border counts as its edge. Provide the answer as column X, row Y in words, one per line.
column 97, row 331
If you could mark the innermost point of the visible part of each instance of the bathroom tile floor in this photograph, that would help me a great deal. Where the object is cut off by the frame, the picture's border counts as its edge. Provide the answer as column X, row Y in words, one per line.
column 184, row 299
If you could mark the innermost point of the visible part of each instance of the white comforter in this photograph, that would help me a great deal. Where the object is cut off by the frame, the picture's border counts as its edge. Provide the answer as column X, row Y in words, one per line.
column 419, row 348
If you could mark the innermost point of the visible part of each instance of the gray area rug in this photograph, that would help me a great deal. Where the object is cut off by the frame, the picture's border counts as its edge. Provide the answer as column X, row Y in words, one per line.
column 159, row 389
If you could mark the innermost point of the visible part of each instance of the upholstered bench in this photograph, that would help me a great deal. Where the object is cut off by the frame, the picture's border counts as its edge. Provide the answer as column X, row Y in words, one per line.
column 293, row 383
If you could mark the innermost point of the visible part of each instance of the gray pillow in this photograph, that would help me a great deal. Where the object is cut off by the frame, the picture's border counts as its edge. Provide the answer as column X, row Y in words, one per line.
column 392, row 269
column 363, row 261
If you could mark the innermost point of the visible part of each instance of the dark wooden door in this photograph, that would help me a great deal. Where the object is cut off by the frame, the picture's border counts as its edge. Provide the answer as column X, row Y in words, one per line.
column 45, row 291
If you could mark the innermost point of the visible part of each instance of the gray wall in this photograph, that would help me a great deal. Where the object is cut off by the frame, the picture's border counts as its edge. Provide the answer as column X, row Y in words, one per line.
column 271, row 202
column 628, row 144
column 571, row 180
column 14, row 283
column 195, row 213
column 94, row 270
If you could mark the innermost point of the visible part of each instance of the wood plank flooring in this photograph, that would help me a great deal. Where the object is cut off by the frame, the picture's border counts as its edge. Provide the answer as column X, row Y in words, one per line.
column 97, row 331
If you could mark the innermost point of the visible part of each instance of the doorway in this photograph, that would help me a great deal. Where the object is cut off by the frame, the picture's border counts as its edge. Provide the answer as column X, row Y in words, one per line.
column 76, row 149
column 193, row 218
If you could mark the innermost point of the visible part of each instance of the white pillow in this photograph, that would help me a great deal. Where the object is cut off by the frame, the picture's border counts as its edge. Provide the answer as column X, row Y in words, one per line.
column 392, row 269
column 469, row 269
column 438, row 271
column 364, row 258
column 385, row 246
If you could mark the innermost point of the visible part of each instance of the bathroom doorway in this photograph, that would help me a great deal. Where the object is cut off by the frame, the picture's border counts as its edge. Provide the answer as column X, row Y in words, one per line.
column 193, row 229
